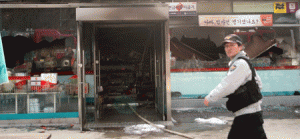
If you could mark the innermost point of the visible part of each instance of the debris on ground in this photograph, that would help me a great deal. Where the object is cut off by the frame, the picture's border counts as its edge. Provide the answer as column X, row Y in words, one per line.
column 211, row 121
column 143, row 129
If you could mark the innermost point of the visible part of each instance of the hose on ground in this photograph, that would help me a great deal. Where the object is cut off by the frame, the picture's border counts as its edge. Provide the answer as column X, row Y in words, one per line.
column 167, row 130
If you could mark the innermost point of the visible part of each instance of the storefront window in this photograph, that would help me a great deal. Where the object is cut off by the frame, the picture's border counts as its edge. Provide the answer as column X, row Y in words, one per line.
column 270, row 47
column 39, row 47
column 198, row 63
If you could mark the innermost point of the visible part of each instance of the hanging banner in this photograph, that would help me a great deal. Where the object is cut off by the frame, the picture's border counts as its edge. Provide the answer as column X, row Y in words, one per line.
column 236, row 20
column 182, row 8
column 3, row 70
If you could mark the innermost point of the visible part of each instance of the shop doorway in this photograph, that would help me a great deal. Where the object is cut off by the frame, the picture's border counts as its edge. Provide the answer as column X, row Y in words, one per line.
column 126, row 72
column 130, row 68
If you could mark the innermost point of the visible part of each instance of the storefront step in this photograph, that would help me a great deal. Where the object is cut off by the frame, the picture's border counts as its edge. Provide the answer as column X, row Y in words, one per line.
column 26, row 136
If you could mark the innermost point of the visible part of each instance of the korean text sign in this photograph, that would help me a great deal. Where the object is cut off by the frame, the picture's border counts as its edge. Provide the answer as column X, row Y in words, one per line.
column 236, row 20
column 182, row 8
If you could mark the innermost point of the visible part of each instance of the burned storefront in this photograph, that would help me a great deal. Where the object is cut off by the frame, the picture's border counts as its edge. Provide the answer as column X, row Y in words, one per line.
column 271, row 43
column 93, row 64
column 39, row 46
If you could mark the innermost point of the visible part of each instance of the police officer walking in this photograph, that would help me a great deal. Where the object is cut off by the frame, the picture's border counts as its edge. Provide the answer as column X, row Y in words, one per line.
column 242, row 88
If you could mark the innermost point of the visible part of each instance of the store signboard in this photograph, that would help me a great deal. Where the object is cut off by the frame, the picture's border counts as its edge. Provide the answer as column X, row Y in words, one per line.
column 236, row 20
column 253, row 7
column 3, row 70
column 182, row 8
column 291, row 7
column 279, row 7
column 285, row 7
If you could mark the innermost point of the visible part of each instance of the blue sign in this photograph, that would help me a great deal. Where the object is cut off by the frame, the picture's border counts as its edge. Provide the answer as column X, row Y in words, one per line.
column 3, row 70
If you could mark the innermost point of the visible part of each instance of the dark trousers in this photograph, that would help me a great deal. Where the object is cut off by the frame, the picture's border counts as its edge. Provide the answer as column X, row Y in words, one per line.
column 248, row 126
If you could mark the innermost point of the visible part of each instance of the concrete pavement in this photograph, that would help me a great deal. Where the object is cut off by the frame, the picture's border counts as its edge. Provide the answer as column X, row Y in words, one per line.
column 275, row 129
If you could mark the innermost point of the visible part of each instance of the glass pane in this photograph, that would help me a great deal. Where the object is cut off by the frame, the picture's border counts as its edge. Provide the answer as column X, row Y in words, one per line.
column 193, row 52
column 39, row 40
column 39, row 47
column 199, row 63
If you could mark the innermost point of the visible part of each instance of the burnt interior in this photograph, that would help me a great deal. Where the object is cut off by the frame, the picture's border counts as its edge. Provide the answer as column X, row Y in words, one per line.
column 127, row 71
column 126, row 54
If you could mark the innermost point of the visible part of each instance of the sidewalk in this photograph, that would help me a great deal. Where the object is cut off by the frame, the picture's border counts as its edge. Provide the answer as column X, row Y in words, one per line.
column 275, row 129
column 26, row 136
column 280, row 123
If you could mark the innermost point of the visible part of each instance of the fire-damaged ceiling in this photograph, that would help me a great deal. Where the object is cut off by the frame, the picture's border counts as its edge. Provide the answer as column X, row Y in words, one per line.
column 126, row 44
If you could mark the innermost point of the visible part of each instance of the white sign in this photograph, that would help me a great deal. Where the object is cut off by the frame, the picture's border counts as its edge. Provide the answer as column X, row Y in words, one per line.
column 182, row 8
column 35, row 83
column 236, row 20
column 50, row 77
column 35, row 78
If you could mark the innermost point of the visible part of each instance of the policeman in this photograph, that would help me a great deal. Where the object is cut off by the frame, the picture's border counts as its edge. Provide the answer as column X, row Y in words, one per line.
column 242, row 88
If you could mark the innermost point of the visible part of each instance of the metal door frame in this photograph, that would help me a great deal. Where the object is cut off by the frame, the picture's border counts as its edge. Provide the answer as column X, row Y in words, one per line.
column 81, row 76
column 131, row 15
column 97, row 78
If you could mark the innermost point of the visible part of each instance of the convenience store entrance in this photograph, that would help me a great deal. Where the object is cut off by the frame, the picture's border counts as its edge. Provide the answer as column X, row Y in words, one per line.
column 130, row 65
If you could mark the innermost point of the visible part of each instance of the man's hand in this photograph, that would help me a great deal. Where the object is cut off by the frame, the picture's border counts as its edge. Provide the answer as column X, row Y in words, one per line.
column 206, row 102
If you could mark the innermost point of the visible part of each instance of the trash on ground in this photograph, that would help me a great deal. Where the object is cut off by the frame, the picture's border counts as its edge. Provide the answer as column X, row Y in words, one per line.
column 211, row 121
column 142, row 129
column 203, row 109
